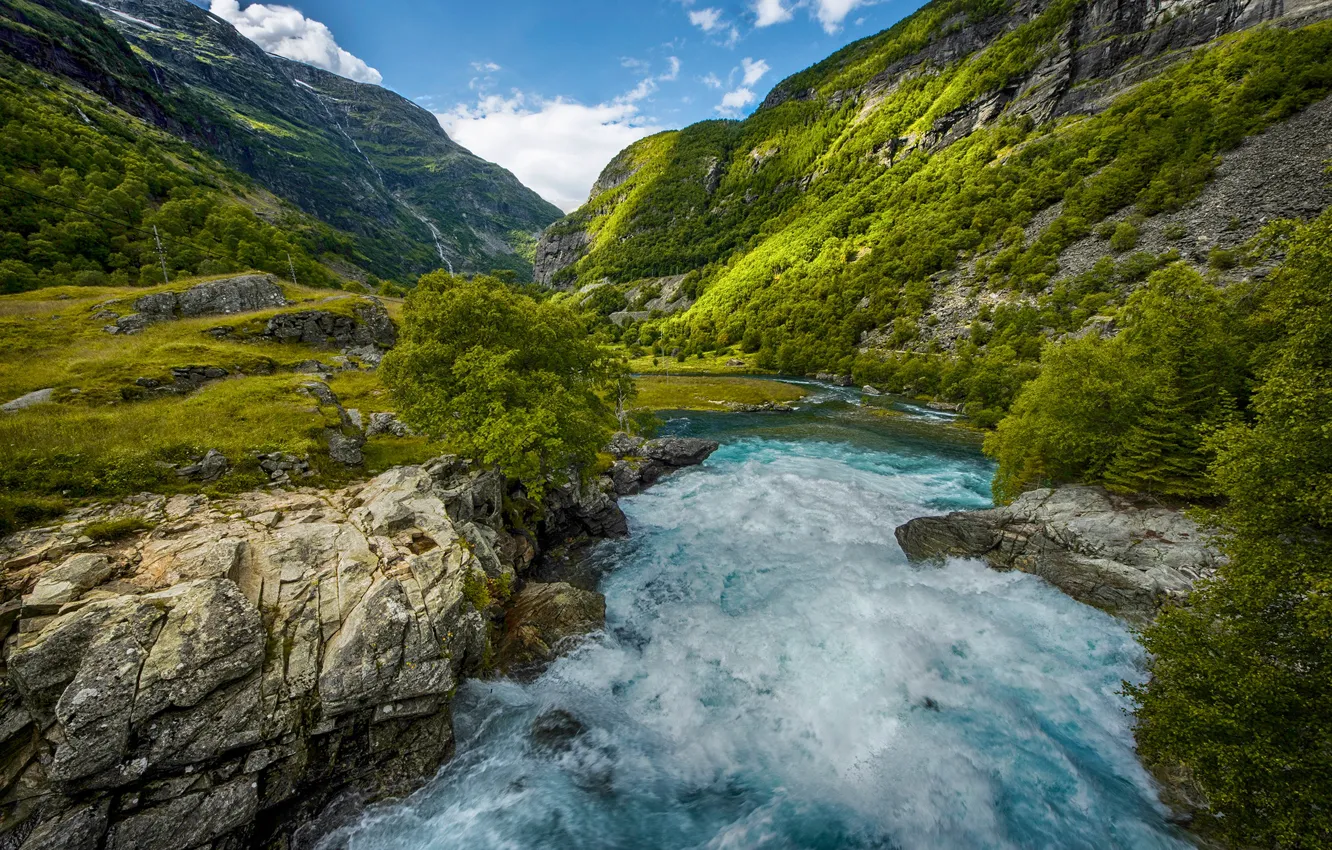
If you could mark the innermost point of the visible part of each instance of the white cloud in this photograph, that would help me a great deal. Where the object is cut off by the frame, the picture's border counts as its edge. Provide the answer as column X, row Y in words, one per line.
column 754, row 71
column 769, row 12
column 709, row 20
column 734, row 101
column 712, row 81
column 831, row 13
column 487, row 67
column 674, row 73
column 556, row 147
column 286, row 32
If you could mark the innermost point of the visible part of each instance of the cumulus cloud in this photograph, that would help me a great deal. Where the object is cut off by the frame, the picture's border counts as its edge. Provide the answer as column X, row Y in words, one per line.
column 712, row 81
column 831, row 13
column 709, row 20
column 556, row 147
column 769, row 12
column 286, row 32
column 734, row 101
column 754, row 70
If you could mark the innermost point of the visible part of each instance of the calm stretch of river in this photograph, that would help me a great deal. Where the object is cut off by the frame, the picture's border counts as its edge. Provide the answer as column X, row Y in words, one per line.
column 774, row 674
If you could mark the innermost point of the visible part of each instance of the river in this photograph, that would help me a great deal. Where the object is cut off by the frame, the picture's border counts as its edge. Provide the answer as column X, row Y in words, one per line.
column 774, row 674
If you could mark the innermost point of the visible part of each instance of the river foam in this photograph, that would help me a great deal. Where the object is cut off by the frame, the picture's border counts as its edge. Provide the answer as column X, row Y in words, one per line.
column 775, row 675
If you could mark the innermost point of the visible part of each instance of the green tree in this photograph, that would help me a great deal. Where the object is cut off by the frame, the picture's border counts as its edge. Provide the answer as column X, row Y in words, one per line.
column 503, row 379
column 1241, row 680
column 1160, row 454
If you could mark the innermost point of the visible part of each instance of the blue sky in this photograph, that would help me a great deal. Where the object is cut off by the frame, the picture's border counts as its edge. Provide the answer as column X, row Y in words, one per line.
column 553, row 90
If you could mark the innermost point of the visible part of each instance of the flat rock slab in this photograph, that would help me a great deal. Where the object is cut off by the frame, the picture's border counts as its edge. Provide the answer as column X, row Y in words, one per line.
column 1122, row 556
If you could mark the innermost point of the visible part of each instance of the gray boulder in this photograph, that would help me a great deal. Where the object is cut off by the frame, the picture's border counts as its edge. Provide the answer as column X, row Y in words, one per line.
column 211, row 467
column 65, row 583
column 641, row 463
column 30, row 400
column 1123, row 556
column 387, row 424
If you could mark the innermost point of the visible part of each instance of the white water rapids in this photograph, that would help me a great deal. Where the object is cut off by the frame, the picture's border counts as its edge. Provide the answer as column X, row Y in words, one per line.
column 774, row 674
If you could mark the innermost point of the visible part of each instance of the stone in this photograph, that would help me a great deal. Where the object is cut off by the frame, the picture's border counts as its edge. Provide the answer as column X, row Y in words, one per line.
column 387, row 424
column 67, row 582
column 869, row 390
column 624, row 445
column 30, row 400
column 679, row 451
column 345, row 449
column 1125, row 557
column 542, row 619
column 735, row 363
column 211, row 467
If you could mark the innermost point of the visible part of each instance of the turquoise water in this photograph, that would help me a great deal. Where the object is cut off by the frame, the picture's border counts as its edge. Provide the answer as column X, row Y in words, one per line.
column 774, row 674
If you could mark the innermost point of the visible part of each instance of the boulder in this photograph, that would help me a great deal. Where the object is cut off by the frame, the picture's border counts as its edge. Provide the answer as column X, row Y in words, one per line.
column 210, row 467
column 1124, row 556
column 679, row 452
column 542, row 620
column 387, row 424
column 25, row 401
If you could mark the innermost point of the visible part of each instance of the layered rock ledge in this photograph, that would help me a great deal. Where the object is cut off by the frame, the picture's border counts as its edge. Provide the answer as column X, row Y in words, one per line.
column 1123, row 556
column 252, row 671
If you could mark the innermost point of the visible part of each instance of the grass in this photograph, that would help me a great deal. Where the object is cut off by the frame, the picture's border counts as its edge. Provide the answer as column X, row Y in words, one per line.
column 711, row 364
column 116, row 529
column 49, row 338
column 697, row 392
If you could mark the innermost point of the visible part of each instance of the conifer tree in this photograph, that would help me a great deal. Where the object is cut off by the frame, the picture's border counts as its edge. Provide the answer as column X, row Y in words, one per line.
column 1160, row 455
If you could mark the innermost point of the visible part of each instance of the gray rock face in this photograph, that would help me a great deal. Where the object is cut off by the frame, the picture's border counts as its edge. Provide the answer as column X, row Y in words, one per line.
column 25, row 401
column 557, row 251
column 1119, row 555
column 223, row 680
column 369, row 325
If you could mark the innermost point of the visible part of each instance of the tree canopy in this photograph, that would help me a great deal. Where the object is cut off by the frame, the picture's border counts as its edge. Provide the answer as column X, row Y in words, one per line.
column 502, row 378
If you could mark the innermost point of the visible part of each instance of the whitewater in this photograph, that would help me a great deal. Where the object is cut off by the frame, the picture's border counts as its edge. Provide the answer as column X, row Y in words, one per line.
column 775, row 674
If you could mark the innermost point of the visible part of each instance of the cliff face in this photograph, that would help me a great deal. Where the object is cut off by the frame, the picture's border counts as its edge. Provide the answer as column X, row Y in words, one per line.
column 849, row 173
column 356, row 156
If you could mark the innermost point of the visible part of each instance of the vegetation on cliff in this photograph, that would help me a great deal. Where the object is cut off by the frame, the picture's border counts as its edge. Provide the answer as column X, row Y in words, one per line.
column 833, row 213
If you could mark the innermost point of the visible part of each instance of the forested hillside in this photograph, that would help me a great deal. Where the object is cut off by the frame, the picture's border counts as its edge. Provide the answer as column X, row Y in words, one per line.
column 389, row 193
column 929, row 206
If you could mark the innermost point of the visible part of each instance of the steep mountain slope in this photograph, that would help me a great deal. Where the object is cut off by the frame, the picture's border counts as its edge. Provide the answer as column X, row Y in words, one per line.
column 969, row 182
column 355, row 156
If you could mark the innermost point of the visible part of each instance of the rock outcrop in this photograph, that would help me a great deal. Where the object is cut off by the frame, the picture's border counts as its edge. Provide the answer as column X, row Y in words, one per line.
column 253, row 671
column 222, row 679
column 368, row 326
column 543, row 619
column 243, row 294
column 1120, row 555
column 640, row 463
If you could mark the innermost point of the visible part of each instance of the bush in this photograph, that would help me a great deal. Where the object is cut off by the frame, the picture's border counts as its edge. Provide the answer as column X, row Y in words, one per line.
column 1125, row 238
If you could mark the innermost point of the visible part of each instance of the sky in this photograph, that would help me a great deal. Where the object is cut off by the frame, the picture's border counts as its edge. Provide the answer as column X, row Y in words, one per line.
column 553, row 89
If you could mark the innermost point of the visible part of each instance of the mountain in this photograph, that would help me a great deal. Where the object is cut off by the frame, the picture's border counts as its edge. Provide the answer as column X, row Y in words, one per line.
column 354, row 156
column 981, row 177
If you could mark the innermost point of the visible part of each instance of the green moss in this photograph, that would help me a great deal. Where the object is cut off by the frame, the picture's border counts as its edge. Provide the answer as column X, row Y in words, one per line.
column 704, row 393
